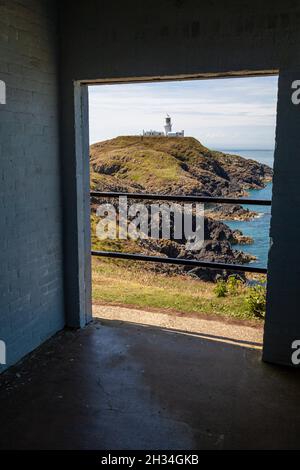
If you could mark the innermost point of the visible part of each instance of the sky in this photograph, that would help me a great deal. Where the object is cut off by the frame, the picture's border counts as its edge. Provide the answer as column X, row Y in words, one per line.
column 233, row 113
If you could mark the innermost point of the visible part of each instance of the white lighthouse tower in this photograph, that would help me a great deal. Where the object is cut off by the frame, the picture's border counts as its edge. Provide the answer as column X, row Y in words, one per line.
column 168, row 125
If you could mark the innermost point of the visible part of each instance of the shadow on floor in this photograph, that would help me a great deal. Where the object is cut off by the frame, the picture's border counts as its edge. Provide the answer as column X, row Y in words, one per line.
column 116, row 385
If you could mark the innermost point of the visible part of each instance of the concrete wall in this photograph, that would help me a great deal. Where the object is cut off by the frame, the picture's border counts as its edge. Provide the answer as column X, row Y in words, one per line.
column 119, row 40
column 283, row 319
column 31, row 276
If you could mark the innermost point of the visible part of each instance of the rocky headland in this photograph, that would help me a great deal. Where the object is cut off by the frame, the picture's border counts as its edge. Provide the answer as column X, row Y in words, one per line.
column 184, row 166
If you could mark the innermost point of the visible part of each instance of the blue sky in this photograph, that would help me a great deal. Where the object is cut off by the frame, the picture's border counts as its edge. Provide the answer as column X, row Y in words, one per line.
column 235, row 113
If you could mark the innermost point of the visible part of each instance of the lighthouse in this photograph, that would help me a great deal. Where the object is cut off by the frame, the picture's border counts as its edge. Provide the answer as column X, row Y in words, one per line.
column 168, row 130
column 168, row 125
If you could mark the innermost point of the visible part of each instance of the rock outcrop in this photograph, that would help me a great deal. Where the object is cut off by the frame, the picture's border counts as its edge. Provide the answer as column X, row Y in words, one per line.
column 230, row 212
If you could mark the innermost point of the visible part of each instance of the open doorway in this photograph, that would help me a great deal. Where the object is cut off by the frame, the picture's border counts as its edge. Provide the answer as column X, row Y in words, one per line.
column 209, row 139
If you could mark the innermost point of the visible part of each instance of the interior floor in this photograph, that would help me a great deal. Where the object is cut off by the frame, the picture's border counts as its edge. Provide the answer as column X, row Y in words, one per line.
column 120, row 385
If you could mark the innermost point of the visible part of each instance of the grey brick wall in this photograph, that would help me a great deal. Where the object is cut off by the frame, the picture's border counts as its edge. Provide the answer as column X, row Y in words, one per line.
column 31, row 274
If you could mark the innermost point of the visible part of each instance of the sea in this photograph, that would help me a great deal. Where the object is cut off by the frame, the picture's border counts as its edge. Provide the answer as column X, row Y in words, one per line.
column 259, row 227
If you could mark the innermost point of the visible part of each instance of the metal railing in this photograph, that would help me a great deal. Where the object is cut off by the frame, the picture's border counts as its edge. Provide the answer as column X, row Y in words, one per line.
column 178, row 198
column 181, row 261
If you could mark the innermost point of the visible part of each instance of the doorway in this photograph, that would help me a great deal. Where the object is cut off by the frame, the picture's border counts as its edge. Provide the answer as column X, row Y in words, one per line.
column 136, row 148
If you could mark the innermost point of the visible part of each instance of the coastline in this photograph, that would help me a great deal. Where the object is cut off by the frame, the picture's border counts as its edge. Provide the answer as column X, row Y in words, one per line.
column 257, row 228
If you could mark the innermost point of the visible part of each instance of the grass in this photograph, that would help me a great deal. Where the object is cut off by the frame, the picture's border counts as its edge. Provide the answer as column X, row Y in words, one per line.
column 129, row 283
column 153, row 163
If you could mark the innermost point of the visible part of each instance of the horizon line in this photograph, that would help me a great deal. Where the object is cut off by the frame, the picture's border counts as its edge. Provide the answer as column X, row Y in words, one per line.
column 246, row 149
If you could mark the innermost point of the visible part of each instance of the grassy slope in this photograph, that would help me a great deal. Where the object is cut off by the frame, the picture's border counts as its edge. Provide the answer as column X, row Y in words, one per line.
column 161, row 164
column 152, row 163
column 128, row 283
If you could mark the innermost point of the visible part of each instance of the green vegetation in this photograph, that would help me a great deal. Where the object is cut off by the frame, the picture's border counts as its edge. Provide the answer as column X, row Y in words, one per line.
column 150, row 163
column 234, row 285
column 254, row 296
column 130, row 283
column 221, row 288
column 256, row 300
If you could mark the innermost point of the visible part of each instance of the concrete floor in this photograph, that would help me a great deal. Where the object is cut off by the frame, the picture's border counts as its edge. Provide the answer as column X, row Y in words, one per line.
column 118, row 385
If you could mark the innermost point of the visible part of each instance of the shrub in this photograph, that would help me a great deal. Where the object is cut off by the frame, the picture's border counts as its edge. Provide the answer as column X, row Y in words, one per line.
column 256, row 300
column 221, row 288
column 234, row 285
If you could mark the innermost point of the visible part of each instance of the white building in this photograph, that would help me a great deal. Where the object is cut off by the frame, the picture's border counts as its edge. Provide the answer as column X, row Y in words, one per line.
column 168, row 131
column 152, row 133
column 176, row 134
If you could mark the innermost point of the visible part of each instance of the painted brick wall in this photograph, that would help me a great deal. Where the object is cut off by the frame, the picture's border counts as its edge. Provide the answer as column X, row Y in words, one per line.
column 31, row 274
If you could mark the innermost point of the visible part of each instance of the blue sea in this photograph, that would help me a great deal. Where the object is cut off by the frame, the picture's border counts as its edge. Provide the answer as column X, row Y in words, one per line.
column 258, row 228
